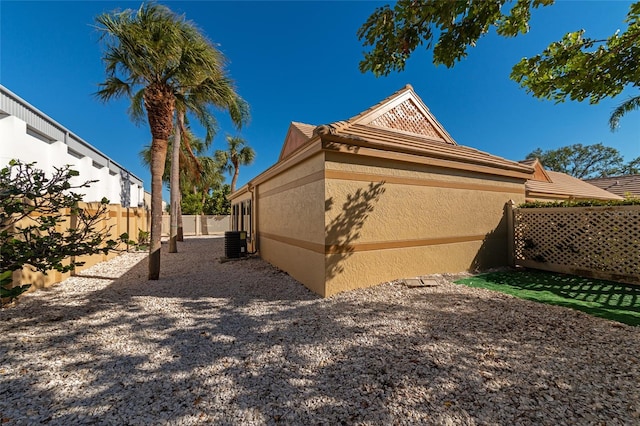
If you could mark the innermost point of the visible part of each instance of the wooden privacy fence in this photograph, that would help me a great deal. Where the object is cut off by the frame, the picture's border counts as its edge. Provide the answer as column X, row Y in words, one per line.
column 117, row 219
column 599, row 242
column 199, row 224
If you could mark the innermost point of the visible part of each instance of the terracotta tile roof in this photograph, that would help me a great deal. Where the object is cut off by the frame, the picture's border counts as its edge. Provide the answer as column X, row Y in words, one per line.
column 297, row 135
column 380, row 104
column 405, row 112
column 619, row 185
column 563, row 186
column 390, row 140
column 539, row 173
column 401, row 123
column 306, row 129
column 529, row 161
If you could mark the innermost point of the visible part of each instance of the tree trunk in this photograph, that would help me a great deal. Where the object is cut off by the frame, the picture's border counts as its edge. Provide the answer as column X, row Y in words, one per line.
column 236, row 172
column 174, row 184
column 180, row 226
column 159, row 102
column 158, row 157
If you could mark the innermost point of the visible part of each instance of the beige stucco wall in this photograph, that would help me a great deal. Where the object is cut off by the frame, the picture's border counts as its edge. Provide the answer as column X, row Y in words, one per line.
column 290, row 218
column 407, row 220
column 39, row 279
column 369, row 268
column 338, row 221
column 306, row 266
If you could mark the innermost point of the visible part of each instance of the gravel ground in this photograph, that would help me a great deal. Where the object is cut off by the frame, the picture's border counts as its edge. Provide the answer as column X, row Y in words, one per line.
column 243, row 343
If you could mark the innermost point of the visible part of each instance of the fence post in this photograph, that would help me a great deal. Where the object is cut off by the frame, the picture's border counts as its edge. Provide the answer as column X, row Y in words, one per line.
column 509, row 211
column 129, row 234
column 73, row 223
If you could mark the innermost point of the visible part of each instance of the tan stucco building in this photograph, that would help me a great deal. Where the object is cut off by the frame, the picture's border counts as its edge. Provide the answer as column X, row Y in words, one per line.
column 386, row 194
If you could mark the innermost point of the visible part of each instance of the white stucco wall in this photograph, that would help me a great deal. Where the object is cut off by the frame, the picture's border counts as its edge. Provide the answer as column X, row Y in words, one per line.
column 18, row 140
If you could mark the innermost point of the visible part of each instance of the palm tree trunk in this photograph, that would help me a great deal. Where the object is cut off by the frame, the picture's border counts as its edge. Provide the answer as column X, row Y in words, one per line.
column 236, row 172
column 159, row 103
column 174, row 183
column 158, row 157
column 180, row 226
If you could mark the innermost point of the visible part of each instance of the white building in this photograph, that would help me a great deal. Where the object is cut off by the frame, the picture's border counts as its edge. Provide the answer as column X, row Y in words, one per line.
column 29, row 135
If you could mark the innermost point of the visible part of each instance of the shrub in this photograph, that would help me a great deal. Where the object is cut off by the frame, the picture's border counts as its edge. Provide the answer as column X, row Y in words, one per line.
column 583, row 203
column 32, row 207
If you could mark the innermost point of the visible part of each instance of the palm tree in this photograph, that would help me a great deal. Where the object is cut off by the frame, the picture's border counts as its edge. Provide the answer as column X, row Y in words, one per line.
column 215, row 89
column 199, row 173
column 210, row 179
column 238, row 154
column 149, row 55
column 625, row 107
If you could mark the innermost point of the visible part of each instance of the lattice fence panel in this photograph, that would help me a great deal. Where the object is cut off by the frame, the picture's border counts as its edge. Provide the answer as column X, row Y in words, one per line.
column 603, row 240
column 407, row 117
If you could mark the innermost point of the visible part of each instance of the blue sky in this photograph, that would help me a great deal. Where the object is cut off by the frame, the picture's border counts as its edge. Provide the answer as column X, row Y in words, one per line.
column 298, row 61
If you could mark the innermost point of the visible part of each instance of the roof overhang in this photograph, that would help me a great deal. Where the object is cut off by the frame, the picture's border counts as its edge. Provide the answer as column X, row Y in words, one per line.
column 359, row 146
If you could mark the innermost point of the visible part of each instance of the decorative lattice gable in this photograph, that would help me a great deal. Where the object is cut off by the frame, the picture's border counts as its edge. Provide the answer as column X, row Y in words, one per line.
column 409, row 118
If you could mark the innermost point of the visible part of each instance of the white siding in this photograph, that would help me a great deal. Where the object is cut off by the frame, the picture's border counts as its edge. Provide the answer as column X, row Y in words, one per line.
column 43, row 141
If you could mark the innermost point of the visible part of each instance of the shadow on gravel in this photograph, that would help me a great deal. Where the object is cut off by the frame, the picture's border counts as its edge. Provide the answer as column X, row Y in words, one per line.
column 264, row 350
column 606, row 299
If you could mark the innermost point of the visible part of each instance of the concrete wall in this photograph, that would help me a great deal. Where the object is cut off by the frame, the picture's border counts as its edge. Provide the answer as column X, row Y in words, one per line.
column 391, row 220
column 118, row 220
column 194, row 225
column 31, row 136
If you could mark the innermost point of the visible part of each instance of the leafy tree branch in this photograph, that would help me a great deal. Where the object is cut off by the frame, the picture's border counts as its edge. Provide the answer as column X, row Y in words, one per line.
column 576, row 67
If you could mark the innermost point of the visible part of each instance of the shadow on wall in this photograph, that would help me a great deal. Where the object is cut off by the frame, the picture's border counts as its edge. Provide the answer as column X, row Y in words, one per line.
column 345, row 228
column 493, row 251
column 125, row 189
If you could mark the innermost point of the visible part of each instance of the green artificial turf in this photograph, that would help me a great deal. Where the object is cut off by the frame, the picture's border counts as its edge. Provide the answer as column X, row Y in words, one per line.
column 606, row 299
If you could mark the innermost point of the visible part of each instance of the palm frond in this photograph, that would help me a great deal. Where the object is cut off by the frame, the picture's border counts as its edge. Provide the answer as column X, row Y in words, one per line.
column 621, row 110
column 224, row 161
column 136, row 109
column 113, row 88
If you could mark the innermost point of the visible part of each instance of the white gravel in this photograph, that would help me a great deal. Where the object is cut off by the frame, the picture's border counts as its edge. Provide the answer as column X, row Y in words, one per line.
column 243, row 343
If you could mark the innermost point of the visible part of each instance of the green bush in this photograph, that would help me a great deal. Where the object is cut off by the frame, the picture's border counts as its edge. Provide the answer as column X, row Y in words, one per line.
column 26, row 192
column 631, row 201
column 191, row 203
column 218, row 202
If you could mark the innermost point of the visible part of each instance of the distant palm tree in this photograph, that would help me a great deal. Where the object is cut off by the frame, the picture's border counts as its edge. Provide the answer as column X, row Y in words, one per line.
column 239, row 153
column 625, row 107
column 150, row 55
column 216, row 90
column 198, row 172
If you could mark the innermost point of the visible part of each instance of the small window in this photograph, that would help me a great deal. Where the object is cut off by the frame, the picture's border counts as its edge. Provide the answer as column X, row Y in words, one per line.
column 246, row 226
column 235, row 217
column 241, row 217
